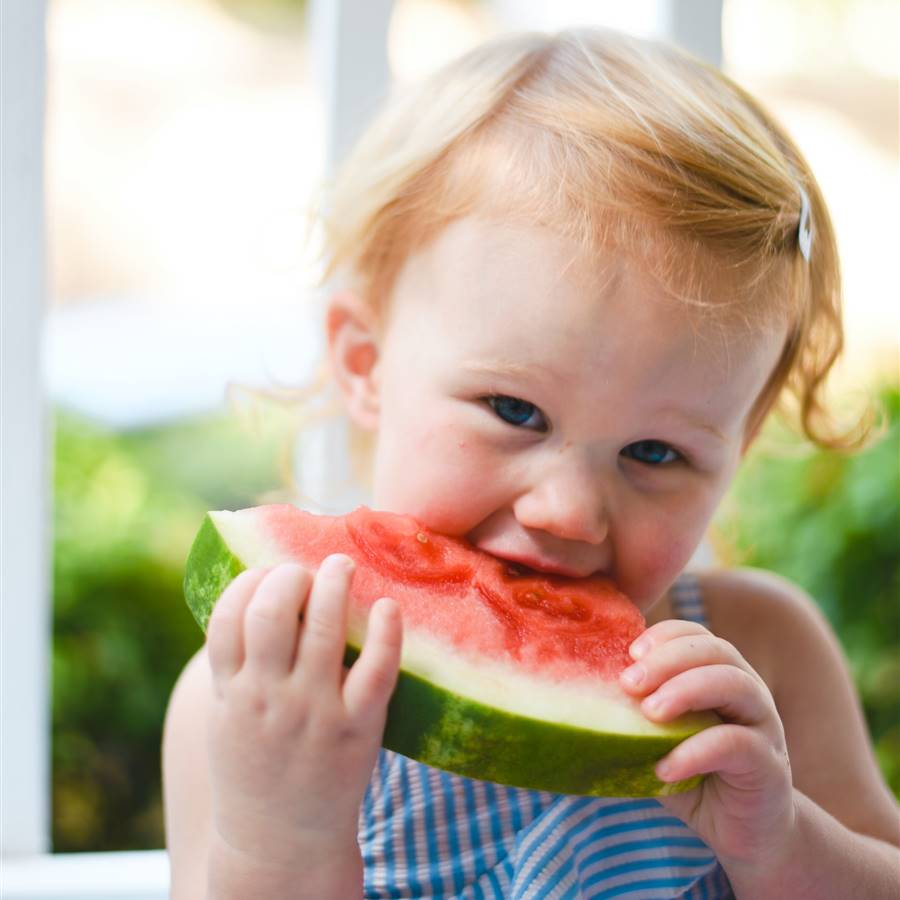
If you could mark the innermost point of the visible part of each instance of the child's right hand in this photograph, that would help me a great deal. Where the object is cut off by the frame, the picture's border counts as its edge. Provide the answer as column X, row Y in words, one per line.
column 293, row 736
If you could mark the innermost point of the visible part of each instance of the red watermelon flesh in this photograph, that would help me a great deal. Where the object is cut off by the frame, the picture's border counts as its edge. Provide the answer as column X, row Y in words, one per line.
column 561, row 627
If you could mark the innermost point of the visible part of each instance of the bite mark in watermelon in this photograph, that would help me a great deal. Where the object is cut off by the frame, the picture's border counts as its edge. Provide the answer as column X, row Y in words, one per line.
column 507, row 675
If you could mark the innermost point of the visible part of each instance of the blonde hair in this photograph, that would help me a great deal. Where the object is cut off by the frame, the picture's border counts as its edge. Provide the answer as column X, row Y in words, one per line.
column 606, row 139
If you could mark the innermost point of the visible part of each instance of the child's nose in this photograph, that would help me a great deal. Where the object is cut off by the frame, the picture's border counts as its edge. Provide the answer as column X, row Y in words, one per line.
column 566, row 502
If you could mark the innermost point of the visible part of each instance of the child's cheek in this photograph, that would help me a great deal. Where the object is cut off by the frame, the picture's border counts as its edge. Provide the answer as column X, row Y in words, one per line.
column 656, row 556
column 461, row 494
column 439, row 476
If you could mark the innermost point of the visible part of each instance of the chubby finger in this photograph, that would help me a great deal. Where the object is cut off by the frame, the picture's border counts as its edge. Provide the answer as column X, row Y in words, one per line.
column 323, row 637
column 735, row 694
column 664, row 631
column 743, row 756
column 373, row 677
column 271, row 622
column 225, row 629
column 665, row 660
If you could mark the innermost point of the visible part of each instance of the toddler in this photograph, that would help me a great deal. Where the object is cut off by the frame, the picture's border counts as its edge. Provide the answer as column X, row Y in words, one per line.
column 574, row 274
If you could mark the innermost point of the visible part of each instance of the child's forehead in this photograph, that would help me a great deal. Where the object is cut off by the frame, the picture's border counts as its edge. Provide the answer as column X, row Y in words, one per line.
column 479, row 263
column 479, row 256
column 511, row 297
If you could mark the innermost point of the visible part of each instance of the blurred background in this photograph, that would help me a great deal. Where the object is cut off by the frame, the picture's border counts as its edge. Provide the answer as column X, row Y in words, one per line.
column 184, row 142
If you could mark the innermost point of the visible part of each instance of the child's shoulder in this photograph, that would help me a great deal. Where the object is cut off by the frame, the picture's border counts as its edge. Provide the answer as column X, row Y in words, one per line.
column 776, row 625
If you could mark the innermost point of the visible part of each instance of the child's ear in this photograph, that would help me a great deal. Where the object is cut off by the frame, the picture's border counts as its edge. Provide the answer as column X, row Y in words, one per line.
column 353, row 351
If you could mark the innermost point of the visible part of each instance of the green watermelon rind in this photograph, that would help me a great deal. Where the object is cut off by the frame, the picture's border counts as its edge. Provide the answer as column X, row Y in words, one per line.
column 450, row 731
column 210, row 568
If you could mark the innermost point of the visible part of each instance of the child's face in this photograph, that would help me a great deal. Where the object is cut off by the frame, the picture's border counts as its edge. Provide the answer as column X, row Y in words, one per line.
column 555, row 410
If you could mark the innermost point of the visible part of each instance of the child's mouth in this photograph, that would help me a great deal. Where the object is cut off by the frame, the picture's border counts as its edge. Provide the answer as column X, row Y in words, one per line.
column 529, row 566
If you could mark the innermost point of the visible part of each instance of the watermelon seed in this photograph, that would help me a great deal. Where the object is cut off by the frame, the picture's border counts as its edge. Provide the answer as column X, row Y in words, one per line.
column 422, row 538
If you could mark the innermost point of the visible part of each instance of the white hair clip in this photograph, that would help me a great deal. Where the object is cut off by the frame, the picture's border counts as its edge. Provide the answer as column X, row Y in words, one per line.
column 804, row 229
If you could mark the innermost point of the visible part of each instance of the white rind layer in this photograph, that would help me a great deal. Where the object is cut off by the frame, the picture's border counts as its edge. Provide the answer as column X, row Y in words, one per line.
column 249, row 542
column 581, row 703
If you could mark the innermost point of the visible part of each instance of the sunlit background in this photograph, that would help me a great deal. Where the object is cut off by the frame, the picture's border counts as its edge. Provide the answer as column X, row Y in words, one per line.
column 185, row 140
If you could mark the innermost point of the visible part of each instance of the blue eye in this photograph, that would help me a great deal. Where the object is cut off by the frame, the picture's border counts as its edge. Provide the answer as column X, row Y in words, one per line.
column 514, row 411
column 651, row 453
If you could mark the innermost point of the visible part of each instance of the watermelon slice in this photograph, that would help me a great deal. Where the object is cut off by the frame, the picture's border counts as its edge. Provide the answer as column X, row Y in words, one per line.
column 507, row 675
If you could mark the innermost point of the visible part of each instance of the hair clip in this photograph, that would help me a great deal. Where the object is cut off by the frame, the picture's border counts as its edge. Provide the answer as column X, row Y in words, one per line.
column 804, row 229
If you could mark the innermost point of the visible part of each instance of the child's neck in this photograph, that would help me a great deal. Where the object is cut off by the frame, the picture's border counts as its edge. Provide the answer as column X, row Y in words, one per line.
column 660, row 611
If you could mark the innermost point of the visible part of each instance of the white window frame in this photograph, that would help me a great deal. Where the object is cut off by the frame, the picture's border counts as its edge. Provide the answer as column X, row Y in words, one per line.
column 24, row 689
column 350, row 40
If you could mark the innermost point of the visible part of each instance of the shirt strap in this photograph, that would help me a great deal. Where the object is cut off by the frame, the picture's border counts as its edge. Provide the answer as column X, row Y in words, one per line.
column 687, row 599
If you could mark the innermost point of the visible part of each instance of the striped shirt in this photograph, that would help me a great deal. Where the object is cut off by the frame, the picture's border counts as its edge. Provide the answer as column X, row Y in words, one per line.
column 428, row 833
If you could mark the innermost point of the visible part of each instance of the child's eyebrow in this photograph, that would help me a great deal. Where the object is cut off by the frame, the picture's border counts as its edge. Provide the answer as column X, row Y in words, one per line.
column 694, row 422
column 509, row 368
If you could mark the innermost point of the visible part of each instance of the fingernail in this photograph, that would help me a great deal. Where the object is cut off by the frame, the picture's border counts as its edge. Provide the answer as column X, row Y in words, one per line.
column 388, row 607
column 653, row 703
column 663, row 770
column 633, row 675
column 639, row 648
column 337, row 564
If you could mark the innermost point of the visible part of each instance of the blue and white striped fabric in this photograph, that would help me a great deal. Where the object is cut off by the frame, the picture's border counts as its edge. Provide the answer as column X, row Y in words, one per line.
column 431, row 834
column 687, row 600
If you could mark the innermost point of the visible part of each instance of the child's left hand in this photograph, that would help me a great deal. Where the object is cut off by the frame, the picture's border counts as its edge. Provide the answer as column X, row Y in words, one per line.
column 744, row 809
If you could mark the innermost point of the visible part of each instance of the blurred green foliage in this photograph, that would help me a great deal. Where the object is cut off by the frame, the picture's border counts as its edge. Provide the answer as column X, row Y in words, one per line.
column 127, row 507
column 280, row 18
column 830, row 522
